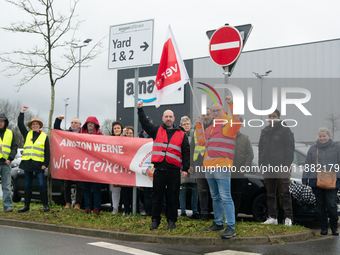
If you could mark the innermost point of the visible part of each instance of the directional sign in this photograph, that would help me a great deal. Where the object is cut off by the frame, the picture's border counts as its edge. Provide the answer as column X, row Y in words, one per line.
column 244, row 31
column 131, row 44
column 225, row 45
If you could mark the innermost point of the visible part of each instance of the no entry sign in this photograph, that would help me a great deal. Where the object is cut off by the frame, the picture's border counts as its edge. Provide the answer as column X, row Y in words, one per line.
column 225, row 46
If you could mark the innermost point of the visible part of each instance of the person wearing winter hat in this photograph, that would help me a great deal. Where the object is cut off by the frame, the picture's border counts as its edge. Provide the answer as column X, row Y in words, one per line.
column 92, row 127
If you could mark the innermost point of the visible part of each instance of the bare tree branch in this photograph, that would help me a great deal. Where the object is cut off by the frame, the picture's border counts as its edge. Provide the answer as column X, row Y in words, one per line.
column 47, row 57
column 333, row 119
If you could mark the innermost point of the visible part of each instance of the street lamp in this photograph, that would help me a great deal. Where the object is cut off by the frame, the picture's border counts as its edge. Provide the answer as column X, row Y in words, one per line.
column 66, row 104
column 260, row 76
column 86, row 42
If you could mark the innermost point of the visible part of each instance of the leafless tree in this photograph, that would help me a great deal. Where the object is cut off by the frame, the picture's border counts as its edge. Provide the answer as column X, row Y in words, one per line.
column 53, row 57
column 333, row 119
column 12, row 111
column 107, row 126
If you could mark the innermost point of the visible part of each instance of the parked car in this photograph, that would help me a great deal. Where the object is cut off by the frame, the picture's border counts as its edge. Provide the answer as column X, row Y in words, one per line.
column 18, row 188
column 18, row 185
column 254, row 197
column 16, row 161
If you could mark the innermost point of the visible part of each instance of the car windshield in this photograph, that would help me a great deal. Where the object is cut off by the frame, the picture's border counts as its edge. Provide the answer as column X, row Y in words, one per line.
column 303, row 149
column 256, row 155
column 300, row 155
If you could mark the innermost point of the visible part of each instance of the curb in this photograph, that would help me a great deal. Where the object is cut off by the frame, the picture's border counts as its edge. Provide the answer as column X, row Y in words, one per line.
column 175, row 240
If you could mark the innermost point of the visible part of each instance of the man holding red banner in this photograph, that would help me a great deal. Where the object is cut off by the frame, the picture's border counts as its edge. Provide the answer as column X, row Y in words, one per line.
column 92, row 126
column 75, row 127
column 170, row 152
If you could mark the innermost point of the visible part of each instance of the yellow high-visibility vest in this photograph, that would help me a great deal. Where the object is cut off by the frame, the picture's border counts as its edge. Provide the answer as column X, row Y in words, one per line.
column 6, row 143
column 198, row 149
column 36, row 150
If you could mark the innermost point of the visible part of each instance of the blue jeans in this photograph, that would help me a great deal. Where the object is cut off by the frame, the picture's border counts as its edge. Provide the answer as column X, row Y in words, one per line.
column 40, row 179
column 219, row 185
column 5, row 172
column 97, row 195
column 194, row 197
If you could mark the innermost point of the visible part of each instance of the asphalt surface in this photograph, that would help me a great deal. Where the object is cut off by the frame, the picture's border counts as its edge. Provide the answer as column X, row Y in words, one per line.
column 174, row 240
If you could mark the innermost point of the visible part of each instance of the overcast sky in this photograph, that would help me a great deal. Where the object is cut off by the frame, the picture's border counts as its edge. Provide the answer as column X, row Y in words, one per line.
column 275, row 23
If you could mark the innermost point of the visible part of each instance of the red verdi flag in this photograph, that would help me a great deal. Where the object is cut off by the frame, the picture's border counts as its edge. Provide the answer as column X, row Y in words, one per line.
column 172, row 73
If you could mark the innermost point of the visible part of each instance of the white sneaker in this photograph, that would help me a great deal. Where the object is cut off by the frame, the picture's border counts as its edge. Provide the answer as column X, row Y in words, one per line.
column 288, row 222
column 270, row 221
column 115, row 211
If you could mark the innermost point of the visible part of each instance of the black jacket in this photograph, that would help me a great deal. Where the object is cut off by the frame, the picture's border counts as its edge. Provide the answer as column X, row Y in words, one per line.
column 57, row 124
column 243, row 154
column 31, row 165
column 141, row 135
column 14, row 145
column 152, row 130
column 276, row 146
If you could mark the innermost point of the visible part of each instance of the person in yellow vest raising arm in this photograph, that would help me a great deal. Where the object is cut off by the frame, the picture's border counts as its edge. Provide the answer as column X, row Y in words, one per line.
column 8, row 149
column 35, row 158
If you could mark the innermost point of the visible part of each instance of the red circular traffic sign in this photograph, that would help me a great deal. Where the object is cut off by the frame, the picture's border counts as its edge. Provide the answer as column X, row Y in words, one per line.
column 225, row 45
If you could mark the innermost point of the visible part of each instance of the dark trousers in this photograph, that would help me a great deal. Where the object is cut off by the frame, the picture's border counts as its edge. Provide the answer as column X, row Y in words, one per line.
column 97, row 195
column 67, row 191
column 236, row 193
column 148, row 200
column 165, row 183
column 203, row 194
column 40, row 179
column 126, row 198
column 283, row 185
column 326, row 207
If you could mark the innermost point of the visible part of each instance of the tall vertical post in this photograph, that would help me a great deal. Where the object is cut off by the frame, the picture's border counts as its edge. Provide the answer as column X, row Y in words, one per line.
column 78, row 98
column 260, row 76
column 66, row 104
column 225, row 91
column 135, row 126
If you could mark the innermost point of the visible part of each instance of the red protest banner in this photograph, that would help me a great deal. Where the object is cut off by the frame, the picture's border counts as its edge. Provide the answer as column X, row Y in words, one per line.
column 100, row 159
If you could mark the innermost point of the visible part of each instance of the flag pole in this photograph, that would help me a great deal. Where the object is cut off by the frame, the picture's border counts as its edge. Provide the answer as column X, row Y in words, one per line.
column 193, row 95
column 198, row 109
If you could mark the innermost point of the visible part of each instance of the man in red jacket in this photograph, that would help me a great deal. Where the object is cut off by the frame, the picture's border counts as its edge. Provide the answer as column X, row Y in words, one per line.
column 170, row 152
column 92, row 126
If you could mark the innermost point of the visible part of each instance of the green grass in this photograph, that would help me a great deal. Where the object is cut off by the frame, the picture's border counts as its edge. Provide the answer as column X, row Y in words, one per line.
column 139, row 224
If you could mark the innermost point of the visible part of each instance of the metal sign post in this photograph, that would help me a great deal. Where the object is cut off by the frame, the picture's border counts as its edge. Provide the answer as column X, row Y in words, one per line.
column 131, row 45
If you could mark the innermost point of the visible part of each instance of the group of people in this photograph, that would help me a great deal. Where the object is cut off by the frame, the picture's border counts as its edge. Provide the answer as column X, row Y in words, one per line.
column 91, row 126
column 216, row 147
column 210, row 146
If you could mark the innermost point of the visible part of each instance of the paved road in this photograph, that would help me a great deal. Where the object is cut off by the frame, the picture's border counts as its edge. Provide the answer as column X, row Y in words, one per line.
column 33, row 242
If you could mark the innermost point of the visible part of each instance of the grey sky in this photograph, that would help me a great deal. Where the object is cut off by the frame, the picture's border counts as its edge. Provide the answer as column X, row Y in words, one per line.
column 275, row 23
